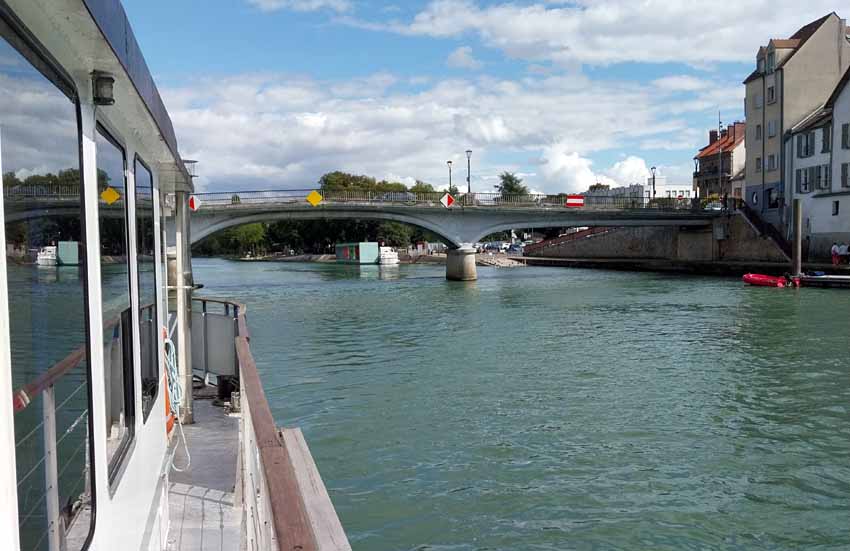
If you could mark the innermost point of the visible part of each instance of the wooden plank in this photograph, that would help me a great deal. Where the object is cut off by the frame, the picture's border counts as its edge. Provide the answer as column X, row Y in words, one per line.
column 292, row 526
column 323, row 518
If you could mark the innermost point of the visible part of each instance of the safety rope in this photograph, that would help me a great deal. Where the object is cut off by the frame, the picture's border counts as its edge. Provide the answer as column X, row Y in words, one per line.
column 175, row 393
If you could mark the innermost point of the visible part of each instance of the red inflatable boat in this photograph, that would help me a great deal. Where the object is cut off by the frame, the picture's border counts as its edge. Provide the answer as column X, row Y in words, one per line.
column 771, row 281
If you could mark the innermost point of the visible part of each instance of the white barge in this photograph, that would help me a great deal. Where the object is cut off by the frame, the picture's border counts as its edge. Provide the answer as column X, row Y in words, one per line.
column 101, row 445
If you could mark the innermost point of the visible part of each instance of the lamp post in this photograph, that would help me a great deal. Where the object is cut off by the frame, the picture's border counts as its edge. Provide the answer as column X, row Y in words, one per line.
column 653, row 181
column 450, row 175
column 468, row 171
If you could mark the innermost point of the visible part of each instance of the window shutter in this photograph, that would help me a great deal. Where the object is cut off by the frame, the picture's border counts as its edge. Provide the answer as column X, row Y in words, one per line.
column 799, row 146
column 845, row 136
column 799, row 181
column 844, row 167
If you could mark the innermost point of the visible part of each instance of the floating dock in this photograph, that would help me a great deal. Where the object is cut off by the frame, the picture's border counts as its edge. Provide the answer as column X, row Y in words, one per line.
column 831, row 281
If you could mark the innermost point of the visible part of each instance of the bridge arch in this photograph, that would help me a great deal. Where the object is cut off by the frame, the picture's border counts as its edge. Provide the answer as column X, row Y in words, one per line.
column 204, row 226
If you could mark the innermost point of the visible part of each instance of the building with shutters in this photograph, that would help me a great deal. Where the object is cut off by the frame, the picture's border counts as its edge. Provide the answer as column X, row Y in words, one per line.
column 793, row 78
column 817, row 153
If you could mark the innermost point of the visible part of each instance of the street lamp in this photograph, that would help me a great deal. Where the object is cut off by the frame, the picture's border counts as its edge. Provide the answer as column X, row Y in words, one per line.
column 468, row 171
column 653, row 181
column 450, row 175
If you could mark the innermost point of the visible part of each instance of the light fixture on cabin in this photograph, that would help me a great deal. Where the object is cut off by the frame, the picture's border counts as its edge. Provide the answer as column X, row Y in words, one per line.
column 102, row 88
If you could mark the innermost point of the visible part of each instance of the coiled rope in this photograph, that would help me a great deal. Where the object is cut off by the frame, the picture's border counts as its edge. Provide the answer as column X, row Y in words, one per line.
column 175, row 393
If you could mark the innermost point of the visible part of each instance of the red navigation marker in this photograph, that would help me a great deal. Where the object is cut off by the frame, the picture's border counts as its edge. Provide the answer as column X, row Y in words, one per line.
column 447, row 200
column 574, row 201
column 194, row 203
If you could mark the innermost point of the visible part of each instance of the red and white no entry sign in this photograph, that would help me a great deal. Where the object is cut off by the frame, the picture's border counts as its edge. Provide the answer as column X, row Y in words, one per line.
column 447, row 200
column 194, row 203
column 575, row 201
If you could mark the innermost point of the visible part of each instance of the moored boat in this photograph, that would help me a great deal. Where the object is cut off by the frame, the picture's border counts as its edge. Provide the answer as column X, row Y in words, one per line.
column 388, row 256
column 46, row 256
column 762, row 280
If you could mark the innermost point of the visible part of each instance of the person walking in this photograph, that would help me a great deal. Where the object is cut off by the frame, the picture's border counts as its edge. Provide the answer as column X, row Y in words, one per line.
column 834, row 252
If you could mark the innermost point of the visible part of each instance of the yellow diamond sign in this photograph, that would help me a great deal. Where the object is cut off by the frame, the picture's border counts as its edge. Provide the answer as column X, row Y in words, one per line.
column 109, row 195
column 314, row 198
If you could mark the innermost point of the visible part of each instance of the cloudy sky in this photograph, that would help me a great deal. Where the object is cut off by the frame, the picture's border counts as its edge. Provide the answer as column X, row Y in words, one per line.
column 271, row 94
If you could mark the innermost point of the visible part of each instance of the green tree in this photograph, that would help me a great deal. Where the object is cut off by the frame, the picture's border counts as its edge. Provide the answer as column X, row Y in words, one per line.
column 421, row 187
column 510, row 184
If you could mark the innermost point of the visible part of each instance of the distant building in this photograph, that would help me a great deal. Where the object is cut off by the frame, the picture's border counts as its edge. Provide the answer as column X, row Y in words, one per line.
column 667, row 190
column 792, row 78
column 638, row 193
column 717, row 163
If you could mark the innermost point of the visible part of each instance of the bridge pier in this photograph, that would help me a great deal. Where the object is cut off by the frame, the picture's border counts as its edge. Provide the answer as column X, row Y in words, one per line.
column 460, row 264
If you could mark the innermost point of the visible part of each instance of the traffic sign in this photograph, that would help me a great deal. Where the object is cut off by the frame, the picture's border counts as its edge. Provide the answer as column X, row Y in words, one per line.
column 314, row 198
column 194, row 203
column 574, row 201
column 447, row 200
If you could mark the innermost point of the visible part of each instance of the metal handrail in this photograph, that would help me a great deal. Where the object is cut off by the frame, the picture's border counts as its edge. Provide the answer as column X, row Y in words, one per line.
column 23, row 396
column 560, row 240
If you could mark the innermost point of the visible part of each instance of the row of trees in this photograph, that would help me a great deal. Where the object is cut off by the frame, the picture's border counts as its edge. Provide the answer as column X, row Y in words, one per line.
column 320, row 236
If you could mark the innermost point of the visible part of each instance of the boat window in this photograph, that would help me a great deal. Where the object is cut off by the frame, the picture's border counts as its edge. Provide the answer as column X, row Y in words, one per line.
column 115, row 292
column 46, row 283
column 146, row 269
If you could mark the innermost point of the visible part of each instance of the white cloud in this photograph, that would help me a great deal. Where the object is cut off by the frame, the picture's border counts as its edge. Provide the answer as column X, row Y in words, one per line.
column 602, row 32
column 631, row 170
column 280, row 131
column 567, row 171
column 681, row 83
column 462, row 58
column 302, row 5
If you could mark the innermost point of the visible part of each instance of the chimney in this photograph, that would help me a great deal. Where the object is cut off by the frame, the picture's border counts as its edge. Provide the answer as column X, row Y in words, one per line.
column 712, row 137
column 723, row 132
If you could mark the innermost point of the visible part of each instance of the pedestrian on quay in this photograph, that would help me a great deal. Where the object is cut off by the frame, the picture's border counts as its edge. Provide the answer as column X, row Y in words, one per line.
column 843, row 252
column 834, row 252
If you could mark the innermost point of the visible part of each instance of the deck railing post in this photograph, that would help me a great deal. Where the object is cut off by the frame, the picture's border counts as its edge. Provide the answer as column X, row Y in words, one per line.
column 51, row 476
column 206, row 341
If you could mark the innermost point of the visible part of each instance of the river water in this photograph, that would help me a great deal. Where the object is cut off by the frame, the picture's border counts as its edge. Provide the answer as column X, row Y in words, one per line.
column 550, row 409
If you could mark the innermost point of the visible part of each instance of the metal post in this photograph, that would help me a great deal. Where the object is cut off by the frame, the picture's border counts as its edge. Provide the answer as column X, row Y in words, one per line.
column 184, row 347
column 797, row 246
column 450, row 175
column 469, row 171
column 51, row 476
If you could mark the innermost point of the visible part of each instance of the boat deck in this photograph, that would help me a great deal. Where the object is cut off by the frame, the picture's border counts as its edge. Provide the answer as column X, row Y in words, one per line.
column 202, row 512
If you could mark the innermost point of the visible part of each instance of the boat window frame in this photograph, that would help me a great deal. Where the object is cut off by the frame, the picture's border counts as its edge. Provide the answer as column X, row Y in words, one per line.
column 119, row 460
column 138, row 160
column 22, row 40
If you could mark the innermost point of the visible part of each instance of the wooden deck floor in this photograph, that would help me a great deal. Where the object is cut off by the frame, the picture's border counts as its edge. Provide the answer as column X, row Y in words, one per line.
column 202, row 512
column 202, row 519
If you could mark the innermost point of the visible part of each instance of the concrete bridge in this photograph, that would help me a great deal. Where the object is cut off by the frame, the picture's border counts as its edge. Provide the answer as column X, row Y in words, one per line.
column 467, row 221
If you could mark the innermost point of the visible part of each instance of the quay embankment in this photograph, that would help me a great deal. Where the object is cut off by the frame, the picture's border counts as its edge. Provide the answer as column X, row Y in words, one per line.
column 731, row 246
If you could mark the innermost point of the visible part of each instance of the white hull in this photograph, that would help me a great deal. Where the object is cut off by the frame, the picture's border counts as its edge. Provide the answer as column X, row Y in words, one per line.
column 388, row 257
column 46, row 257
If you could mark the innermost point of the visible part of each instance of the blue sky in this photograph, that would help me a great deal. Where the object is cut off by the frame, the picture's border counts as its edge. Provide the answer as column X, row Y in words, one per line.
column 273, row 93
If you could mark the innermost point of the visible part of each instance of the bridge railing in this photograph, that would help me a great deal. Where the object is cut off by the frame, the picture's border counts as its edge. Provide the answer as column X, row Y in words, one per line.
column 297, row 197
column 48, row 191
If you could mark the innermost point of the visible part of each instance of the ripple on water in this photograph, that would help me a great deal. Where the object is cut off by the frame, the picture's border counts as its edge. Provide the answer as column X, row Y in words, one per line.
column 559, row 409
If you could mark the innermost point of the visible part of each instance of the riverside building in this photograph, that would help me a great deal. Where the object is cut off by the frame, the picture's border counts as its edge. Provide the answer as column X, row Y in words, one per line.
column 793, row 77
column 720, row 161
